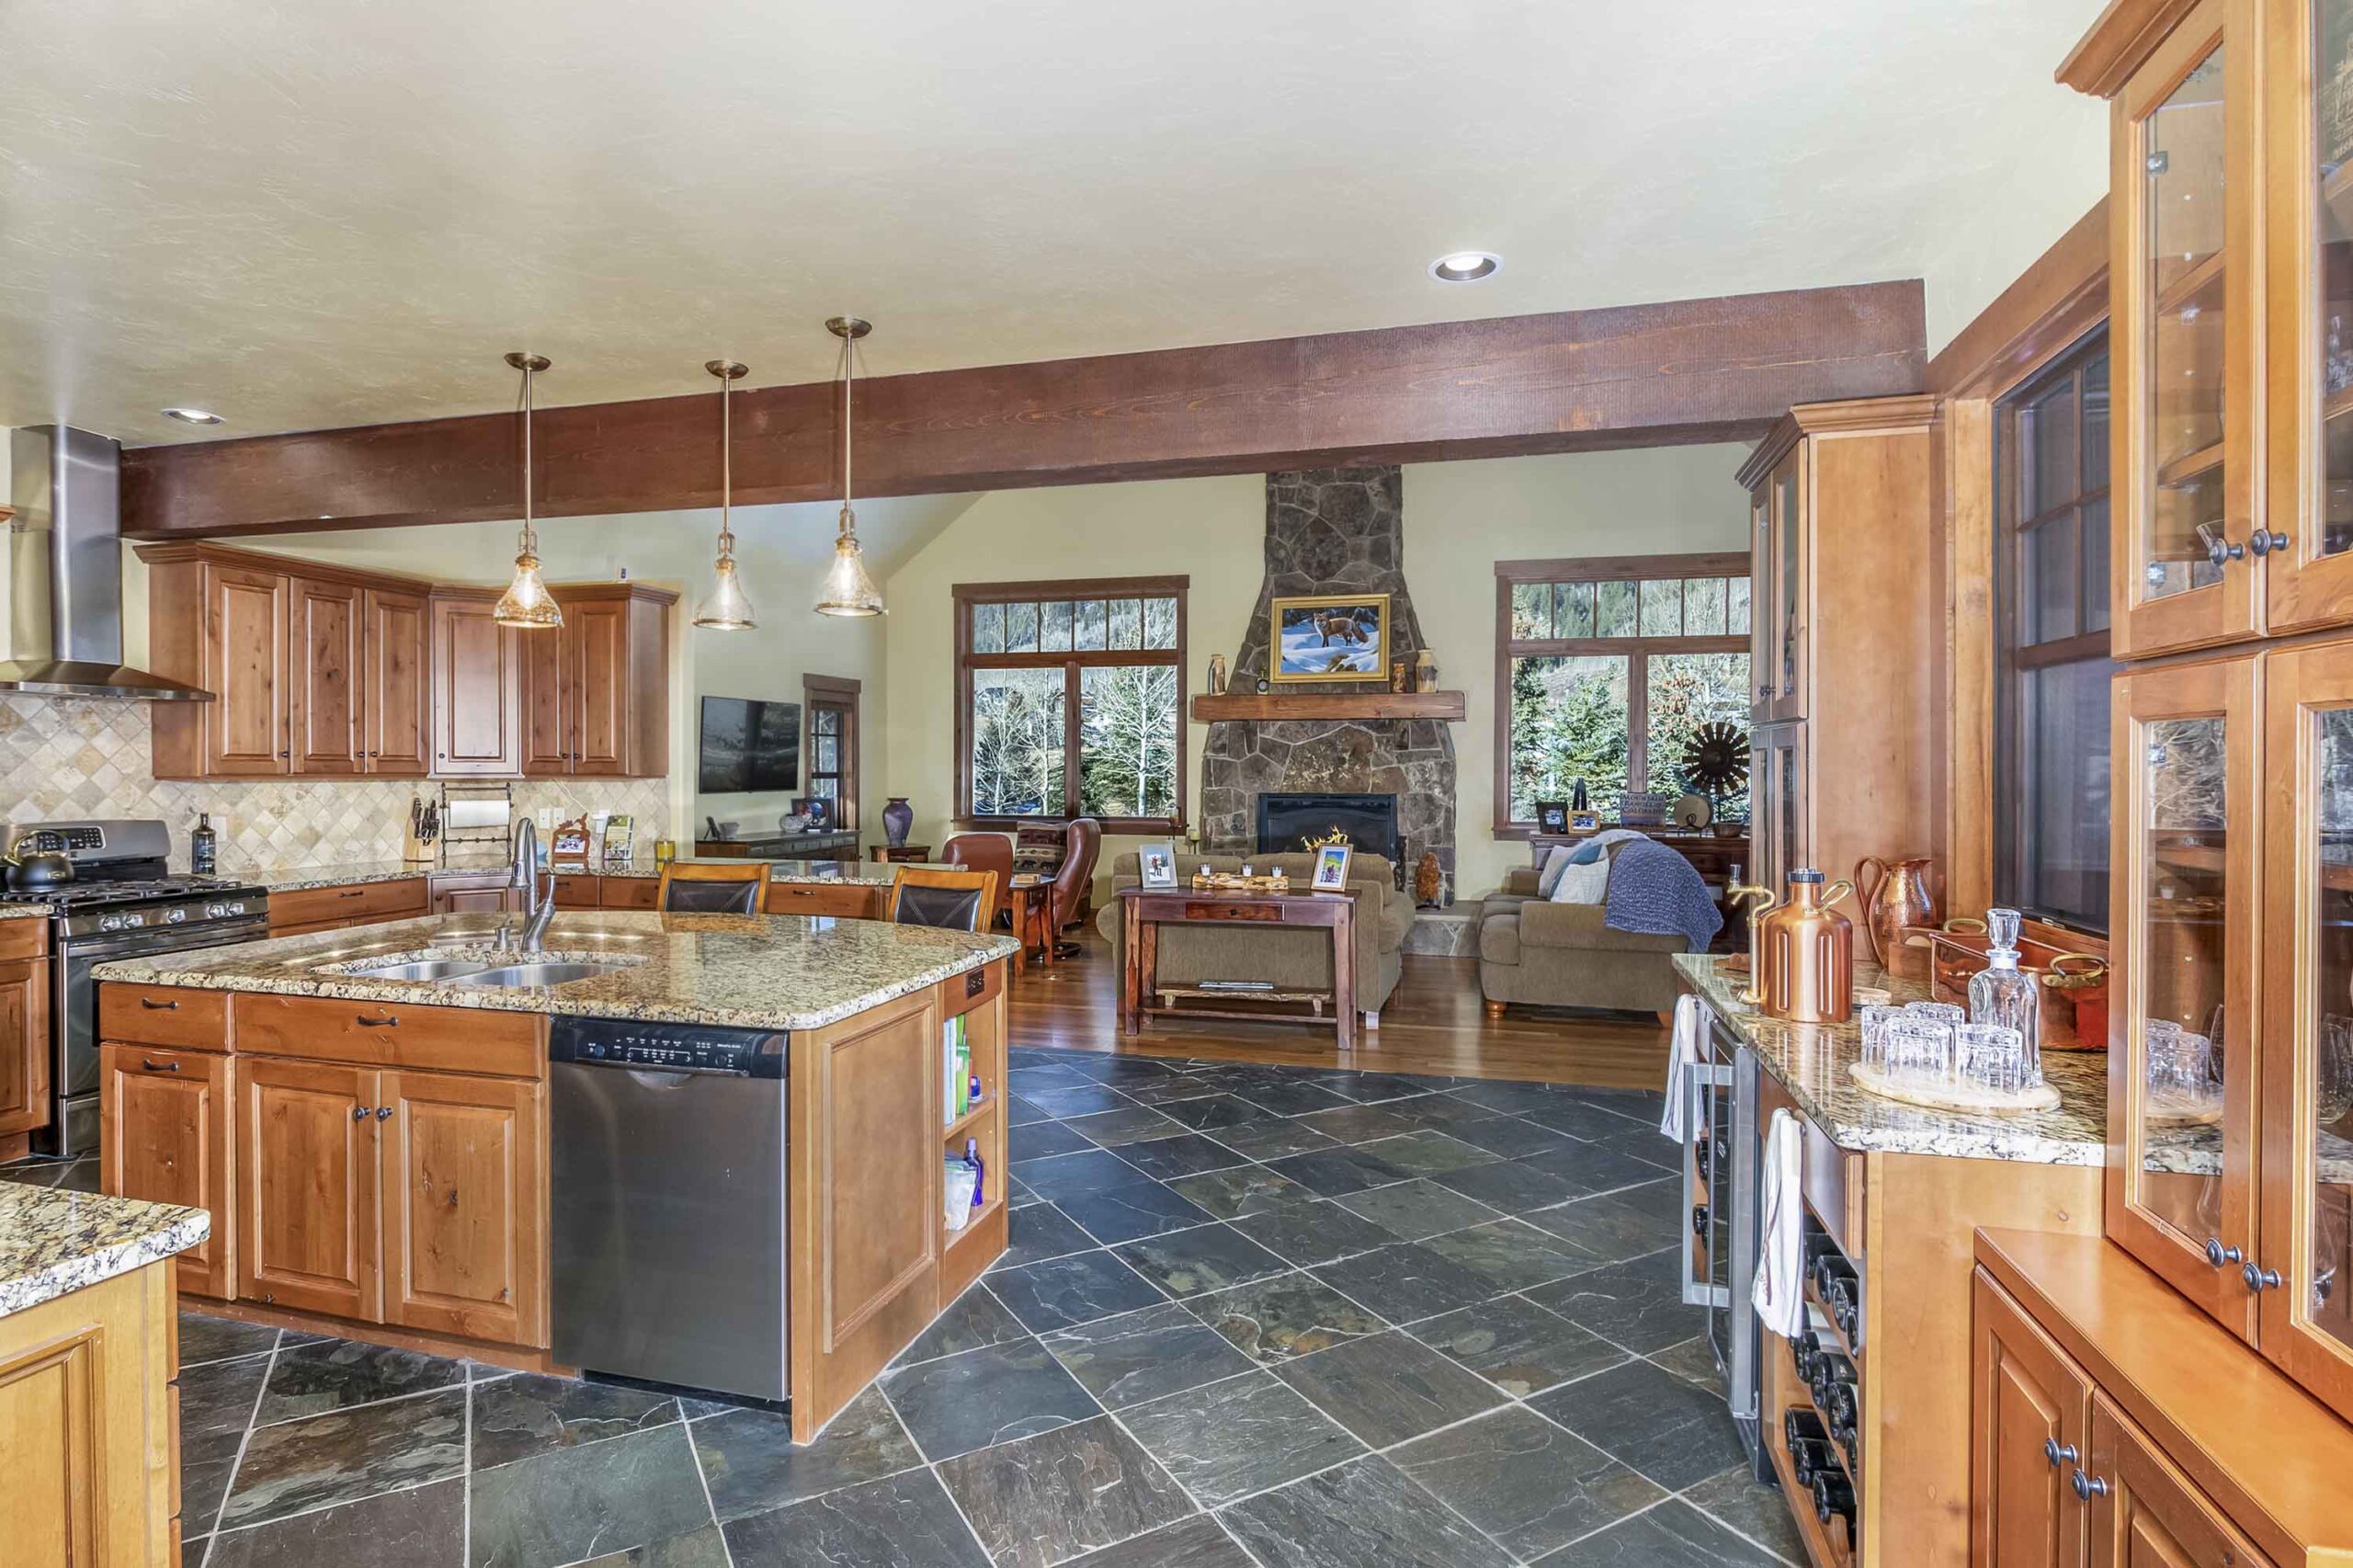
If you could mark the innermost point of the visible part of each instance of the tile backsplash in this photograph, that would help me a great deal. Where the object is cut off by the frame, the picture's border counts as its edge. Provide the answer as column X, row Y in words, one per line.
column 71, row 758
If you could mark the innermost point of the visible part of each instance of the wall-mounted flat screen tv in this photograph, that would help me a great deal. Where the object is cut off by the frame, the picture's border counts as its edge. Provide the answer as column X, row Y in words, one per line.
column 749, row 745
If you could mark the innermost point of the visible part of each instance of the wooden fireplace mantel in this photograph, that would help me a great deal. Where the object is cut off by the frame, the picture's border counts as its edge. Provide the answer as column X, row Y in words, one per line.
column 1446, row 706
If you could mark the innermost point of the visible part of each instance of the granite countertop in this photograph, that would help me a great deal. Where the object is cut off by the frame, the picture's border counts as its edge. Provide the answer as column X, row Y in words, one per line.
column 24, row 911
column 1811, row 1062
column 53, row 1244
column 291, row 879
column 766, row 972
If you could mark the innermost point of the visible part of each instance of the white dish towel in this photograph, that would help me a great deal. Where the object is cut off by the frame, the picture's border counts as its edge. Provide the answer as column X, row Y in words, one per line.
column 1779, row 1292
column 1682, row 1055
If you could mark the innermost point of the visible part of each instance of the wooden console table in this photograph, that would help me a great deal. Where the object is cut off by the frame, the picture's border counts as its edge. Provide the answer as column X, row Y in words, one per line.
column 1143, row 911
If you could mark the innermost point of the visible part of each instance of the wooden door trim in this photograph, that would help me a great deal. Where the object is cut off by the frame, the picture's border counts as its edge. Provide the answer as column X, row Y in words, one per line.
column 2297, row 681
column 2228, row 688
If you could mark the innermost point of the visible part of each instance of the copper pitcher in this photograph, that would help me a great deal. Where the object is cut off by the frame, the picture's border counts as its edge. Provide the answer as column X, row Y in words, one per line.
column 1809, row 954
column 1897, row 897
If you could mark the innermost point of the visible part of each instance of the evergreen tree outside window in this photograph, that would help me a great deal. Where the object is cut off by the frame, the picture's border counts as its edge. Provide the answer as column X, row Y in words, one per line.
column 1070, row 702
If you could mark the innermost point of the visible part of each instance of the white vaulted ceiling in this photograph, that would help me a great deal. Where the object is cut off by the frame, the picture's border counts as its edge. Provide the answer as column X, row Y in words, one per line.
column 304, row 213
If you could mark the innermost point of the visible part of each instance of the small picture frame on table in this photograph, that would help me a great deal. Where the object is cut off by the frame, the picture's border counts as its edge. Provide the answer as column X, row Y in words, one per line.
column 1585, row 821
column 1551, row 816
column 1156, row 865
column 1331, row 868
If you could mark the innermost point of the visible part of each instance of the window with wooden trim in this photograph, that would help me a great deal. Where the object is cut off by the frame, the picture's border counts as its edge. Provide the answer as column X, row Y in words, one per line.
column 2051, row 641
column 1069, row 702
column 832, row 773
column 1605, row 668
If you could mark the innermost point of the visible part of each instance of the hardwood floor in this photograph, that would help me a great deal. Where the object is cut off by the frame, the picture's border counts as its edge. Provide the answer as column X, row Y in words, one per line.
column 1433, row 1023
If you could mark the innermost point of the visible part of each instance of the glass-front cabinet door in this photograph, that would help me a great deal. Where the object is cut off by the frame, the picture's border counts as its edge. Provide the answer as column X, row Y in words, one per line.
column 2304, row 1272
column 1789, row 651
column 2181, row 1187
column 1761, row 545
column 2184, row 303
column 2306, row 541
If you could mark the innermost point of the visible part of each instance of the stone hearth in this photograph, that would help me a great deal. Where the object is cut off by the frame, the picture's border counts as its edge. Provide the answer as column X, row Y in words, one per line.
column 1333, row 531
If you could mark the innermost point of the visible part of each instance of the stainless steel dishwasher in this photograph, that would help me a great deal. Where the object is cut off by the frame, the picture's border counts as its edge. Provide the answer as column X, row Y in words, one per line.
column 667, row 1204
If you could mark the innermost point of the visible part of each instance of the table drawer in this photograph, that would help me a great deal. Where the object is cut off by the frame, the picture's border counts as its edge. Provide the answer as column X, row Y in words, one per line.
column 1213, row 909
column 627, row 893
column 844, row 901
column 163, row 1015
column 392, row 1034
column 321, row 908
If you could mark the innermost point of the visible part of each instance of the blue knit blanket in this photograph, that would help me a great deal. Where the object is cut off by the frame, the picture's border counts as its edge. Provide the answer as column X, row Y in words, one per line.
column 1654, row 892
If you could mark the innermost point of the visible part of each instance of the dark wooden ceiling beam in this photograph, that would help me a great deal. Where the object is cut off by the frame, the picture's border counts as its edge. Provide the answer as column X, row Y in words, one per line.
column 1632, row 376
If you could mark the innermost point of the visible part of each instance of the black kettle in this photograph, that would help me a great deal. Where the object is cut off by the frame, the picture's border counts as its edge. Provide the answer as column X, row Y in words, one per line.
column 33, row 870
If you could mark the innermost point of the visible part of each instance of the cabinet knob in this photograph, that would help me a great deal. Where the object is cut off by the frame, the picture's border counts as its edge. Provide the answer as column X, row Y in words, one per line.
column 383, row 1111
column 2088, row 1486
column 2218, row 1255
column 2262, row 542
column 2058, row 1453
column 2221, row 549
column 2259, row 1278
column 360, row 1113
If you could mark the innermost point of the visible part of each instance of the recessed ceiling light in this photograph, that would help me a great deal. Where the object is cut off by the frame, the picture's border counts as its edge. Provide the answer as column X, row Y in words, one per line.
column 192, row 416
column 1466, row 267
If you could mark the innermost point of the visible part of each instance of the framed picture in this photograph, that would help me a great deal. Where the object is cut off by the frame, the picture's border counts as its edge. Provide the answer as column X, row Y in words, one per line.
column 1551, row 816
column 620, row 839
column 1585, row 821
column 1332, row 637
column 1156, row 865
column 1332, row 869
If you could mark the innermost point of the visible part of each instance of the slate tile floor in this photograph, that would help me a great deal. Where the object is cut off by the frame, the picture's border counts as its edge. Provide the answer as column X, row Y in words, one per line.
column 1294, row 1318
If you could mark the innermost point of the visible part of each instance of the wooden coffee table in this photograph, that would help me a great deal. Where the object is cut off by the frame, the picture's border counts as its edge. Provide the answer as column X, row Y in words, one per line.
column 1143, row 911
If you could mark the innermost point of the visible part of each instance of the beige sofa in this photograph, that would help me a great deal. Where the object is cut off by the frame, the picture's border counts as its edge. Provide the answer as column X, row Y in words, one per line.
column 1561, row 955
column 1290, row 959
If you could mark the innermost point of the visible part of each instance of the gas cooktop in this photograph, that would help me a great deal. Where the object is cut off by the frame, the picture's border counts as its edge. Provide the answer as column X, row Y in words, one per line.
column 103, row 890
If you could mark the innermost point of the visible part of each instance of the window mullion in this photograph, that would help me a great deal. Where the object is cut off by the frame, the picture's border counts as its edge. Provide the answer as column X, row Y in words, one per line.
column 1638, row 726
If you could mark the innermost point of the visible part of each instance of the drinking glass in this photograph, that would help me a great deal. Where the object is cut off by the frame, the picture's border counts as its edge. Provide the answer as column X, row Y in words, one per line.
column 1919, row 1049
column 2179, row 1062
column 1946, row 1013
column 1993, row 1056
column 1875, row 1020
column 2336, row 1069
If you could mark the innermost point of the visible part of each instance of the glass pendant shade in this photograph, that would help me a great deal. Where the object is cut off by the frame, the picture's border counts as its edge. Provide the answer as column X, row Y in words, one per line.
column 725, row 607
column 526, row 604
column 848, row 590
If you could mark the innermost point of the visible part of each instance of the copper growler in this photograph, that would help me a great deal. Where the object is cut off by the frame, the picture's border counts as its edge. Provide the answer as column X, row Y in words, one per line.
column 1809, row 954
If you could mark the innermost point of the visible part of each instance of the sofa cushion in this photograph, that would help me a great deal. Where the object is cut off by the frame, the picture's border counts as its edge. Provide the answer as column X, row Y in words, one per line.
column 1521, row 880
column 1499, row 938
column 1581, row 927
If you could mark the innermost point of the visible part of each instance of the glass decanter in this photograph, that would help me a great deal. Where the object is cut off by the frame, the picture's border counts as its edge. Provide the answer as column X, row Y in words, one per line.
column 2006, row 995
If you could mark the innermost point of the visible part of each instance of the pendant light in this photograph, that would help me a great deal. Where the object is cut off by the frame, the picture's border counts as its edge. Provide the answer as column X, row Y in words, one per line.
column 726, row 609
column 848, row 591
column 526, row 604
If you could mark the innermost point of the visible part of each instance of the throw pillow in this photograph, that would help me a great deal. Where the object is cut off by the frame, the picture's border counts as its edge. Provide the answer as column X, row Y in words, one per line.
column 1556, row 862
column 1585, row 878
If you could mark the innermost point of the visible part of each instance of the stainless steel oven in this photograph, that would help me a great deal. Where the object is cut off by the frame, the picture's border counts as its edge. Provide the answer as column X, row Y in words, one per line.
column 1719, row 1253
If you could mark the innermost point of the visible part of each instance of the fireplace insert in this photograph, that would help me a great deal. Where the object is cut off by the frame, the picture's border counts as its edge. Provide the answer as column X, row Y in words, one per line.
column 1289, row 823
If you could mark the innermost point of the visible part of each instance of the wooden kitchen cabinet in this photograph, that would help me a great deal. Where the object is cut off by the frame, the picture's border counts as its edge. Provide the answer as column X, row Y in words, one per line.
column 308, row 1173
column 325, row 629
column 396, row 684
column 300, row 911
column 477, row 685
column 165, row 1136
column 24, row 1040
column 464, row 1235
column 2145, row 1513
column 315, row 671
column 2030, row 1419
column 472, row 892
column 596, row 689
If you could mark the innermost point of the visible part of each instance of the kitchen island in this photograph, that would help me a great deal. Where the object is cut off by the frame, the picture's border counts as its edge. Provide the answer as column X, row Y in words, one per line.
column 88, row 1350
column 1892, row 1196
column 365, row 1113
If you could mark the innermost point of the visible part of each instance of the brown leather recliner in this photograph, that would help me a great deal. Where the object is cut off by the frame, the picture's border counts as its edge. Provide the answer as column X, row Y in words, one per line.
column 1082, row 844
column 985, row 852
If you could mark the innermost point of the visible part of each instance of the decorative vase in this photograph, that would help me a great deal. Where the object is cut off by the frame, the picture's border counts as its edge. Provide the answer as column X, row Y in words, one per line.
column 1217, row 674
column 897, row 818
column 1426, row 671
column 1898, row 897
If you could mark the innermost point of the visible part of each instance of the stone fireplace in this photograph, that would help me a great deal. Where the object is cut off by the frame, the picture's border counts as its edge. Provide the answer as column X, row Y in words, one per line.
column 1333, row 531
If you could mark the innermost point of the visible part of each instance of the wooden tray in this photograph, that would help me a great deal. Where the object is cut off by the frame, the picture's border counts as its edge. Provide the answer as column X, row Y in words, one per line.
column 1978, row 1102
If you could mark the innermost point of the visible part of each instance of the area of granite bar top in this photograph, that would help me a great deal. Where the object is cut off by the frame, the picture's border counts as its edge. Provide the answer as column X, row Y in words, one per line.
column 55, row 1242
column 1811, row 1062
column 768, row 971
column 293, row 878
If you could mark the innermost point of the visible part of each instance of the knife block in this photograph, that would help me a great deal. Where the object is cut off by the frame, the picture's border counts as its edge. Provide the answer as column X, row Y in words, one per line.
column 415, row 849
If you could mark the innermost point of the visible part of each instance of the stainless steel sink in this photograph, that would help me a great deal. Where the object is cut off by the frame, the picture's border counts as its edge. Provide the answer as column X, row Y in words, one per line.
column 534, row 974
column 418, row 969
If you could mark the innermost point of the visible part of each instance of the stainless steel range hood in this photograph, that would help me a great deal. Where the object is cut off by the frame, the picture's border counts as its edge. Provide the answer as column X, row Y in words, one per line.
column 65, row 573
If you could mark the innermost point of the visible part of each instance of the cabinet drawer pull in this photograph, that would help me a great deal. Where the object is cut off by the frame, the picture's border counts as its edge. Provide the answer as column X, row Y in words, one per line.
column 353, row 893
column 389, row 1021
column 152, row 1005
column 148, row 1066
